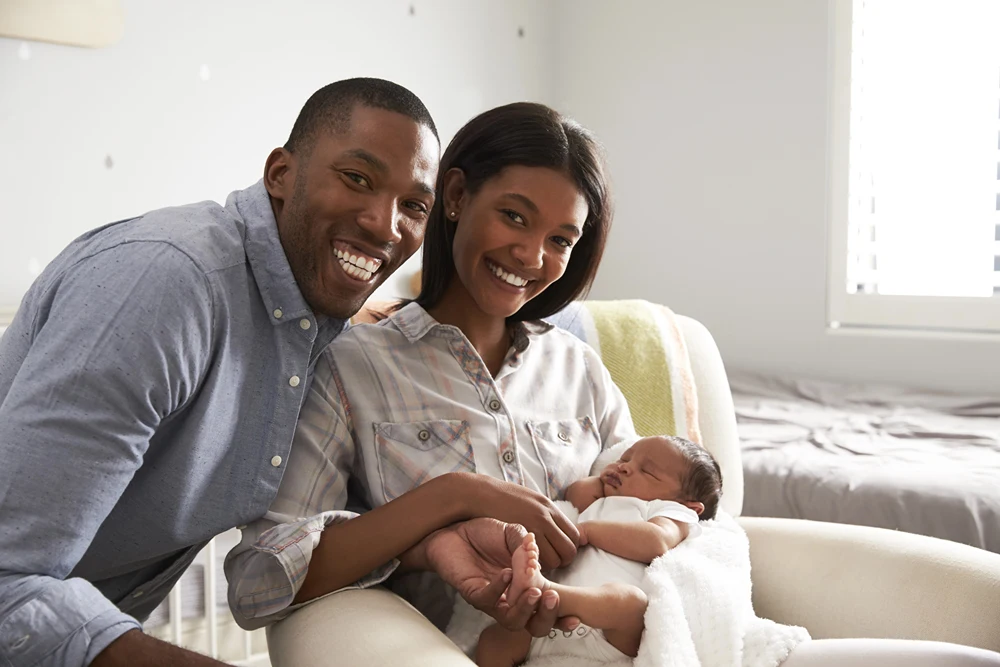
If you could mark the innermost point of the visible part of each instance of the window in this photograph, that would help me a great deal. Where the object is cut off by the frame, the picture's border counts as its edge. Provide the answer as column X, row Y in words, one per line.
column 915, row 164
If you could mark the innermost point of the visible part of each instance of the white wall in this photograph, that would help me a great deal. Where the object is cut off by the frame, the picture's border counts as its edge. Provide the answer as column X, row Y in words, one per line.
column 174, row 138
column 713, row 113
column 714, row 116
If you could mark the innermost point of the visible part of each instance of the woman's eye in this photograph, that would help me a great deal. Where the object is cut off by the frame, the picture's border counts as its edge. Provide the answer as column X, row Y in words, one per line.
column 563, row 242
column 416, row 206
column 357, row 178
column 514, row 215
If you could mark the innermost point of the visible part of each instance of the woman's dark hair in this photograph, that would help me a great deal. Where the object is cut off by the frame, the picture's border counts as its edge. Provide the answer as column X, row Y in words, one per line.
column 528, row 135
column 702, row 482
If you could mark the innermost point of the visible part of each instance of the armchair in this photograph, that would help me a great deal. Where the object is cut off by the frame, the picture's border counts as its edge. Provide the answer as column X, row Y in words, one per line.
column 835, row 580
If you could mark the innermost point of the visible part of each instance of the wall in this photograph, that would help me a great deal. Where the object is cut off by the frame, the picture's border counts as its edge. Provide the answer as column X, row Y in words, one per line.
column 188, row 104
column 714, row 116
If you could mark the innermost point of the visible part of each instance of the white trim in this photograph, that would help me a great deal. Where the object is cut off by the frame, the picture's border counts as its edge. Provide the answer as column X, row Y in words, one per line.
column 974, row 314
column 922, row 333
column 838, row 133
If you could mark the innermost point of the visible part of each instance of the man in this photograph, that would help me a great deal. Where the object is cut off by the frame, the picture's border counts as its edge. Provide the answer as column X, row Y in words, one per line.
column 151, row 380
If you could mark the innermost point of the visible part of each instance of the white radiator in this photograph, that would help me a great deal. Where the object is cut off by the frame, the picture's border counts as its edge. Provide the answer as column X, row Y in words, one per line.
column 196, row 615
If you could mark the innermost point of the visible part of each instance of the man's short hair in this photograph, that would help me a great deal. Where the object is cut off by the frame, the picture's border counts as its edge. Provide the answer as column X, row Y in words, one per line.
column 330, row 108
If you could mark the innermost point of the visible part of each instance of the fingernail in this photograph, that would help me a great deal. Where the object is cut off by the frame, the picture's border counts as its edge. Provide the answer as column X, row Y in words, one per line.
column 534, row 595
column 551, row 602
column 573, row 625
column 507, row 576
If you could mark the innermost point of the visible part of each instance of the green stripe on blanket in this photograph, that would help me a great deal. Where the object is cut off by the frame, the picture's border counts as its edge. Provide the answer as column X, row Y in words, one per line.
column 632, row 348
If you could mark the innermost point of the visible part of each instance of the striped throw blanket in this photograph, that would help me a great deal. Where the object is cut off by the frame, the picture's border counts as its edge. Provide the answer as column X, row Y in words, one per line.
column 643, row 347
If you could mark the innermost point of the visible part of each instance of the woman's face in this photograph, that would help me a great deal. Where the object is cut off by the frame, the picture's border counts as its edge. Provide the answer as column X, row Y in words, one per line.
column 514, row 235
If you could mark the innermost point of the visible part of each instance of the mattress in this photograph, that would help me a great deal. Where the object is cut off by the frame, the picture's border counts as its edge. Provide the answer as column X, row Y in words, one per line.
column 876, row 456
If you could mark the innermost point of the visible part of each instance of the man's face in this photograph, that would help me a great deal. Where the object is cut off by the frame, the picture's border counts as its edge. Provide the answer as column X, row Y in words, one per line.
column 355, row 207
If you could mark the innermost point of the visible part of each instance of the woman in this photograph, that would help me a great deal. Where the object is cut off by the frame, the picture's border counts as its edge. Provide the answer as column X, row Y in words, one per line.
column 464, row 380
column 461, row 404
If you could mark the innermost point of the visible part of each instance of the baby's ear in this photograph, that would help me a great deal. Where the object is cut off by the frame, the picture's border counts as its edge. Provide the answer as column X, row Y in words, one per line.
column 697, row 507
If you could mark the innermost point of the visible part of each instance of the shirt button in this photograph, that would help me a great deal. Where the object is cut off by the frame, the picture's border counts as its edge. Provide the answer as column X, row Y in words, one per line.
column 495, row 405
column 277, row 313
column 294, row 381
column 424, row 435
column 564, row 437
column 508, row 456
column 276, row 461
column 304, row 323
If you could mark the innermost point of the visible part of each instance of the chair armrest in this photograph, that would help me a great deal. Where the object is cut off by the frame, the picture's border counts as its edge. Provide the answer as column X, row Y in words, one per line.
column 840, row 580
column 371, row 627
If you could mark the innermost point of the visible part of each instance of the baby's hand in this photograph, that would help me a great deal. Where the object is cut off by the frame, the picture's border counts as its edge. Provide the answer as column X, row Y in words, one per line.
column 582, row 493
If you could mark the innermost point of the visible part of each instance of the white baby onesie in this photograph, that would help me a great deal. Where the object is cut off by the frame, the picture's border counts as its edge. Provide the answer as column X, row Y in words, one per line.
column 595, row 567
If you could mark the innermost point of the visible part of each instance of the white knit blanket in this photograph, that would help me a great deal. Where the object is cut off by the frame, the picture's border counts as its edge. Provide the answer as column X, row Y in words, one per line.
column 699, row 615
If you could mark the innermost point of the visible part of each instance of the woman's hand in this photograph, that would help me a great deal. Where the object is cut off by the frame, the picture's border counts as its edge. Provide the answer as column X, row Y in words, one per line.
column 474, row 557
column 556, row 535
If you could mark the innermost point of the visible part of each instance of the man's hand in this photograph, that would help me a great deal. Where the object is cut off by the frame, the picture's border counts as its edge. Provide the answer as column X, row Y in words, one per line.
column 556, row 535
column 474, row 557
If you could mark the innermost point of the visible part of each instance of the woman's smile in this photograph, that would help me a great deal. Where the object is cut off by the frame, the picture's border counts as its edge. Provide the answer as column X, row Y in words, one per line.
column 508, row 279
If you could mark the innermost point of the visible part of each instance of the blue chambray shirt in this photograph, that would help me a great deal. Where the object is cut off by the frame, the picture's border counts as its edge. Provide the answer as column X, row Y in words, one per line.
column 149, row 388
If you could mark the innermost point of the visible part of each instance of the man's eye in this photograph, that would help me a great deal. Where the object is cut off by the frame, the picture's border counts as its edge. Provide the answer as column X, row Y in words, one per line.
column 416, row 206
column 358, row 178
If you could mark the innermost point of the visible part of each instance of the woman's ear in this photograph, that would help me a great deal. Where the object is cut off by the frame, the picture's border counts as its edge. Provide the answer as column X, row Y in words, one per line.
column 454, row 193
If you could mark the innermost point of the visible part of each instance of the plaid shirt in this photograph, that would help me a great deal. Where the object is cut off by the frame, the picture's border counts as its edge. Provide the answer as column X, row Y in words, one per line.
column 398, row 403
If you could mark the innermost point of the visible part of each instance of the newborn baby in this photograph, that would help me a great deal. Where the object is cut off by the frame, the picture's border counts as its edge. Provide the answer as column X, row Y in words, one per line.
column 644, row 504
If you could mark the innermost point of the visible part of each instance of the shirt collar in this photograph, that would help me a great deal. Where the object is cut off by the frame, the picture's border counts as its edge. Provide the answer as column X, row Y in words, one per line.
column 414, row 323
column 267, row 256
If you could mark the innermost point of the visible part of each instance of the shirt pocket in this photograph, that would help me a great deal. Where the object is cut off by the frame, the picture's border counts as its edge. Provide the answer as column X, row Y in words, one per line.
column 567, row 449
column 411, row 453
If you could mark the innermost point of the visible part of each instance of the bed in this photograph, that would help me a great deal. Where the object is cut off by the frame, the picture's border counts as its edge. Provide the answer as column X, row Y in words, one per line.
column 877, row 456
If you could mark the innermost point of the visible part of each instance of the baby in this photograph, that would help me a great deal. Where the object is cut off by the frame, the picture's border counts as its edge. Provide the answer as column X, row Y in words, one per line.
column 639, row 507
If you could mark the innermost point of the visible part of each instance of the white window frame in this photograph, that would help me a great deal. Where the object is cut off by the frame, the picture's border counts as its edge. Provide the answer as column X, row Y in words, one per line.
column 878, row 311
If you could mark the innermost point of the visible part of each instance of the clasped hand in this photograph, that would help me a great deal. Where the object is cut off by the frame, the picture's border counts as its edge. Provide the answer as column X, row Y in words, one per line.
column 474, row 556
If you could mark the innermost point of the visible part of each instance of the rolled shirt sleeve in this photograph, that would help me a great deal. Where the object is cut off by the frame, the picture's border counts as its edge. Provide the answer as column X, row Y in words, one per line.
column 108, row 348
column 50, row 622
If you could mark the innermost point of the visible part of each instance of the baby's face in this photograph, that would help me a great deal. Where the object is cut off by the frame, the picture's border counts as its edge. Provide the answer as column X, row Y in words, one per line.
column 650, row 469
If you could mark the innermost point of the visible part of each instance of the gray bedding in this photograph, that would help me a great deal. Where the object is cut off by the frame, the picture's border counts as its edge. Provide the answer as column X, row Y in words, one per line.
column 876, row 456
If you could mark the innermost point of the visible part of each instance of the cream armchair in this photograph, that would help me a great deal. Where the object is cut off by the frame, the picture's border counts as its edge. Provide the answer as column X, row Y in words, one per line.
column 836, row 580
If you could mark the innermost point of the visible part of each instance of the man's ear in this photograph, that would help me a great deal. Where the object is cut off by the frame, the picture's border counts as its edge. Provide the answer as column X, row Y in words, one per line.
column 696, row 506
column 454, row 193
column 279, row 174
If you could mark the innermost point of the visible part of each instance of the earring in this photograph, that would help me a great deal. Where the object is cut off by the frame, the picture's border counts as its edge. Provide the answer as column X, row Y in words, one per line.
column 454, row 214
